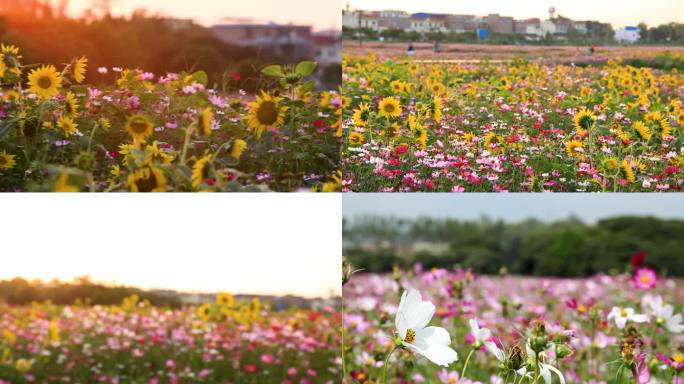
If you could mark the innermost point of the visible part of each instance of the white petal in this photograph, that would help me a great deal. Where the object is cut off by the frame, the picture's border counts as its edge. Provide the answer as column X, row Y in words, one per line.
column 438, row 354
column 472, row 323
column 420, row 316
column 620, row 322
column 546, row 374
column 615, row 312
column 639, row 318
column 433, row 335
column 496, row 351
column 554, row 369
column 409, row 300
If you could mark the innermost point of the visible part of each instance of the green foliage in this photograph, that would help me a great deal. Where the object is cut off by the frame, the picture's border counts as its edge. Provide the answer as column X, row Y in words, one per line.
column 563, row 248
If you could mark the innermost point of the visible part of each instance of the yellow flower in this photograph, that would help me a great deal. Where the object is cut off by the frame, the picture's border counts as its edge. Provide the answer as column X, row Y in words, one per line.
column 390, row 107
column 225, row 300
column 583, row 120
column 7, row 161
column 23, row 365
column 62, row 183
column 78, row 69
column 397, row 86
column 490, row 139
column 680, row 118
column 54, row 332
column 10, row 336
column 204, row 311
column 71, row 105
column 265, row 112
column 574, row 147
column 3, row 66
column 665, row 127
column 205, row 121
column 642, row 130
column 627, row 171
column 237, row 148
column 155, row 155
column 45, row 81
column 139, row 127
column 356, row 138
column 67, row 125
column 362, row 115
column 437, row 88
column 611, row 163
column 148, row 179
column 200, row 171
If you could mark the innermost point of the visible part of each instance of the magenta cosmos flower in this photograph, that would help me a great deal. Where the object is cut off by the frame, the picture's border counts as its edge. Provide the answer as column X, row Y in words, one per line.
column 645, row 278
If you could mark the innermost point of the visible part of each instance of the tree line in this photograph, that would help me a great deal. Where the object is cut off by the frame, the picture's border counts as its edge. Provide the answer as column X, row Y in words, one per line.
column 20, row 291
column 562, row 248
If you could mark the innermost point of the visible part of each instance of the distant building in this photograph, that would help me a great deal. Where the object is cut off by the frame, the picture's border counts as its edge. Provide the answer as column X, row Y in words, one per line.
column 291, row 42
column 328, row 48
column 629, row 35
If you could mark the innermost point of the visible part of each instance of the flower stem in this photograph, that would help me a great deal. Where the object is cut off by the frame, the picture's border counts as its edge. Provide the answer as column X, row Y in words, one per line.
column 536, row 367
column 465, row 366
column 344, row 352
column 384, row 368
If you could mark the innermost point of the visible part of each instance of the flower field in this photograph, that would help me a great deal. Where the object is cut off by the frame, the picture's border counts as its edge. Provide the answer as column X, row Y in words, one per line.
column 227, row 341
column 511, row 126
column 139, row 131
column 451, row 326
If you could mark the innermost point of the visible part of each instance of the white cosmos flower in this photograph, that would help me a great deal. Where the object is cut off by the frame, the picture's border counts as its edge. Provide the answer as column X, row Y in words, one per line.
column 481, row 335
column 663, row 314
column 622, row 315
column 546, row 370
column 411, row 322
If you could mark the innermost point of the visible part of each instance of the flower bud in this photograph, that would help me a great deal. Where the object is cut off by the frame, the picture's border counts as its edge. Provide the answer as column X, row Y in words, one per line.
column 516, row 358
column 563, row 351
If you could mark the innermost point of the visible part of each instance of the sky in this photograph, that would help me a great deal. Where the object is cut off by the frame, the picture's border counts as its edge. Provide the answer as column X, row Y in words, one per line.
column 514, row 207
column 617, row 12
column 322, row 14
column 240, row 243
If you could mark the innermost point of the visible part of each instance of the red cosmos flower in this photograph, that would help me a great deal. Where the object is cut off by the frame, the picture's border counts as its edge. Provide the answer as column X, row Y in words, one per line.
column 319, row 123
column 638, row 259
column 672, row 169
column 251, row 368
column 429, row 184
column 394, row 161
column 401, row 148
column 235, row 76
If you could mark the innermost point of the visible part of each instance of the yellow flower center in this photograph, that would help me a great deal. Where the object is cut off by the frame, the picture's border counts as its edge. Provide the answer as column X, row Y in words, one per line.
column 623, row 312
column 678, row 358
column 389, row 108
column 645, row 279
column 267, row 113
column 410, row 336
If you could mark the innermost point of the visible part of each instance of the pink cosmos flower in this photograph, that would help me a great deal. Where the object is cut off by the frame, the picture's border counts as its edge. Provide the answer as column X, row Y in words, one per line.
column 645, row 278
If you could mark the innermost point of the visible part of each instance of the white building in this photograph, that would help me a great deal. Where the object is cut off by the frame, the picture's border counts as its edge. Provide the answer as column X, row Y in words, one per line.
column 629, row 35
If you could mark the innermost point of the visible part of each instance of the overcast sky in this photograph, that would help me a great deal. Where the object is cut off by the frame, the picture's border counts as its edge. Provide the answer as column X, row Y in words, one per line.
column 617, row 12
column 514, row 207
column 322, row 14
column 241, row 243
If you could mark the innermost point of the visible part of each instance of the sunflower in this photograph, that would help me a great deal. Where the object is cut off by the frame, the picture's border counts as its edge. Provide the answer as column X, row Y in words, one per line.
column 78, row 69
column 421, row 138
column 627, row 171
column 62, row 183
column 643, row 131
column 490, row 139
column 356, row 138
column 45, row 81
column 574, row 147
column 680, row 118
column 70, row 105
column 390, row 107
column 437, row 109
column 665, row 127
column 3, row 66
column 237, row 148
column 204, row 311
column 583, row 120
column 437, row 88
column 265, row 112
column 397, row 86
column 205, row 121
column 148, row 179
column 7, row 161
column 611, row 163
column 200, row 171
column 67, row 125
column 155, row 155
column 225, row 300
column 139, row 127
column 362, row 115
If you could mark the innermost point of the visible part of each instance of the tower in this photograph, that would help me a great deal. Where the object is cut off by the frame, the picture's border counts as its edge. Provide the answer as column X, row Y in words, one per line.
column 552, row 12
